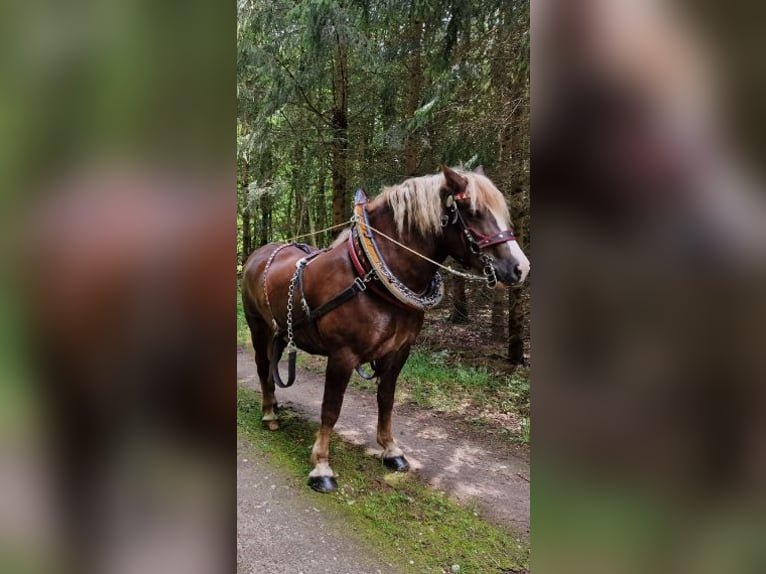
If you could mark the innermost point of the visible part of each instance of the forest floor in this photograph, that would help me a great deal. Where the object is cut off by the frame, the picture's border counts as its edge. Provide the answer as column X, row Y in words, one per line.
column 449, row 454
column 462, row 418
column 465, row 503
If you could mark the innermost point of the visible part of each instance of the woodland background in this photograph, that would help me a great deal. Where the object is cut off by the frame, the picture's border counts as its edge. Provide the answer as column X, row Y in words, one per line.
column 334, row 95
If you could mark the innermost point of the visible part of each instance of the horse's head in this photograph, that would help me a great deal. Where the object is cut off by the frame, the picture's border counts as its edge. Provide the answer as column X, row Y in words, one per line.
column 477, row 227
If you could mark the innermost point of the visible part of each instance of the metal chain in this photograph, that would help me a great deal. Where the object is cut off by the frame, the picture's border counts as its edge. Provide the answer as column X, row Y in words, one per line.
column 489, row 271
column 290, row 298
column 265, row 285
column 432, row 297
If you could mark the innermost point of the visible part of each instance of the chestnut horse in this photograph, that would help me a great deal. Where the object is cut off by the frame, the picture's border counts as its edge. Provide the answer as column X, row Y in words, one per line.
column 363, row 299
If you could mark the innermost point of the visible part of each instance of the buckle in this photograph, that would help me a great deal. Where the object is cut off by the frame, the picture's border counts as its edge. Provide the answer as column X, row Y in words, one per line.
column 360, row 284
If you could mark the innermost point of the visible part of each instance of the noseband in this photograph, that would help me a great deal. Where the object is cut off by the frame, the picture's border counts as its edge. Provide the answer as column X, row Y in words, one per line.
column 475, row 240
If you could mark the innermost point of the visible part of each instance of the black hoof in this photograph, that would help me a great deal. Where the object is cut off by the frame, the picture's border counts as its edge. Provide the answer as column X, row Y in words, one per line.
column 323, row 483
column 397, row 464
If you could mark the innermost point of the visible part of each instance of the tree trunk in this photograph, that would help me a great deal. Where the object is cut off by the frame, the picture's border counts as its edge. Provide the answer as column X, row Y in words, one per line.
column 340, row 204
column 499, row 306
column 513, row 138
column 264, row 229
column 414, row 93
column 459, row 312
column 243, row 207
column 247, row 237
column 321, row 210
column 298, row 197
column 311, row 215
column 515, row 329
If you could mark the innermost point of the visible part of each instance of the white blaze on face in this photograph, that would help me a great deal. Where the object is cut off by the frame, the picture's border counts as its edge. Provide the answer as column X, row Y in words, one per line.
column 521, row 258
column 516, row 252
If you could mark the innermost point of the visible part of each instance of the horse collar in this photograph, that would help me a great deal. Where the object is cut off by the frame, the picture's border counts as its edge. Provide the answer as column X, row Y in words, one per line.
column 364, row 249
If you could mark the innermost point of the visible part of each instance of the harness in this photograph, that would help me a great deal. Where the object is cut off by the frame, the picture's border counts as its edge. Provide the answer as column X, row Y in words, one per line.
column 366, row 259
column 372, row 272
column 284, row 337
column 475, row 240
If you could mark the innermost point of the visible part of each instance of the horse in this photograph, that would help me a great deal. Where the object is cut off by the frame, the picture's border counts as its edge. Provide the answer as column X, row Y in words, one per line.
column 363, row 299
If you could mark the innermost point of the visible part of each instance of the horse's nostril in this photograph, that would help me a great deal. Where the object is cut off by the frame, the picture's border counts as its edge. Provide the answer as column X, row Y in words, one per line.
column 516, row 272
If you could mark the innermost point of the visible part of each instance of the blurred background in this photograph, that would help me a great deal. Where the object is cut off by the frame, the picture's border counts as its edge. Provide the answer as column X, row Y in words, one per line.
column 117, row 211
column 117, row 219
column 648, row 212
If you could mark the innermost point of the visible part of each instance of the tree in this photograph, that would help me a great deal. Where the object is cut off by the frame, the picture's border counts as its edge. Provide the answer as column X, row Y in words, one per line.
column 338, row 94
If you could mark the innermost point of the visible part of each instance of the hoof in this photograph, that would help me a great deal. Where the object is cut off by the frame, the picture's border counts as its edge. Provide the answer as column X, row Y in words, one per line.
column 323, row 483
column 272, row 425
column 397, row 464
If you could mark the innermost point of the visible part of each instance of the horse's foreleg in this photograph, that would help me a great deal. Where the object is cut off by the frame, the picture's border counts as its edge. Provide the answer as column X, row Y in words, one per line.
column 261, row 336
column 339, row 368
column 388, row 369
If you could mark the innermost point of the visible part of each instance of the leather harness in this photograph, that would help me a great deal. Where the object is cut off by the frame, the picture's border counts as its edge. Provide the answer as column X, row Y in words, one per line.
column 367, row 263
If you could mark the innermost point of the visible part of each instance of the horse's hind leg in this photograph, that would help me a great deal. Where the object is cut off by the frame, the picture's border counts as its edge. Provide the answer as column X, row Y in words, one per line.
column 339, row 368
column 388, row 369
column 261, row 336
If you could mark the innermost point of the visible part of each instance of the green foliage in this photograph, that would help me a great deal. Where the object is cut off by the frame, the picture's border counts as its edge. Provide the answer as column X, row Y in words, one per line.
column 243, row 333
column 398, row 515
column 435, row 380
column 426, row 83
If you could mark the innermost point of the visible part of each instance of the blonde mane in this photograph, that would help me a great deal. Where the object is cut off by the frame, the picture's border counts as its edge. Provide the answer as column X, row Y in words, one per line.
column 417, row 204
column 342, row 237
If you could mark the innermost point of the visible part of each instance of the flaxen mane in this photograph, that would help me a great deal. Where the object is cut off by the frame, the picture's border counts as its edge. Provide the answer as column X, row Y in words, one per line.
column 417, row 204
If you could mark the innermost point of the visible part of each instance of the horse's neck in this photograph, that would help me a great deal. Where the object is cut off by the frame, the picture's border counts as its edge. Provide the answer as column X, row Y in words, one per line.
column 413, row 271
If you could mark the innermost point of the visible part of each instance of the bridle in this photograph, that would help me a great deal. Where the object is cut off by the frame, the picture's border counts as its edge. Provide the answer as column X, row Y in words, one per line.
column 475, row 240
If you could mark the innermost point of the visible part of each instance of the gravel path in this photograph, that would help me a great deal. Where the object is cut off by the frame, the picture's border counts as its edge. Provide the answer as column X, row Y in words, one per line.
column 280, row 531
column 451, row 456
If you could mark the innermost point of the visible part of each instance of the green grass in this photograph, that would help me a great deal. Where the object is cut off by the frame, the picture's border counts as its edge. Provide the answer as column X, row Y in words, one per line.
column 433, row 380
column 397, row 514
column 243, row 333
column 438, row 380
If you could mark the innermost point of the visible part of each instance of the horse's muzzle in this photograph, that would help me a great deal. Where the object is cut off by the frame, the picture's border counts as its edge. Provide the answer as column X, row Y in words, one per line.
column 509, row 272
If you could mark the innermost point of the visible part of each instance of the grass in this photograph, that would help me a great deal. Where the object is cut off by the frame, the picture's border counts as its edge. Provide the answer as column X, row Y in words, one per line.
column 243, row 333
column 438, row 380
column 407, row 522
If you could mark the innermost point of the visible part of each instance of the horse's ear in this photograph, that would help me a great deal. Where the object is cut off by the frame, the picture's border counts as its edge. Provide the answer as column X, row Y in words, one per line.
column 480, row 170
column 455, row 182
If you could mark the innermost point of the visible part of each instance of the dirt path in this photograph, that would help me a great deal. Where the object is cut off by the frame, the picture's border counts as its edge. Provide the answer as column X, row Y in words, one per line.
column 450, row 455
column 280, row 531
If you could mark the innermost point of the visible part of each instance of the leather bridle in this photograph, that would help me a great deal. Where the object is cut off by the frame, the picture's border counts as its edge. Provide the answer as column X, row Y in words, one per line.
column 475, row 240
